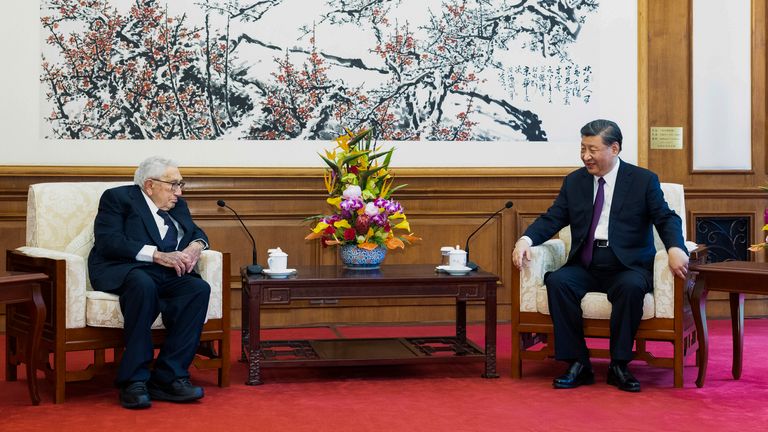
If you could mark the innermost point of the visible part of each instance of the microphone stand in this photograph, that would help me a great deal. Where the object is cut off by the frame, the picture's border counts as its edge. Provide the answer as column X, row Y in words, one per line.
column 473, row 266
column 254, row 268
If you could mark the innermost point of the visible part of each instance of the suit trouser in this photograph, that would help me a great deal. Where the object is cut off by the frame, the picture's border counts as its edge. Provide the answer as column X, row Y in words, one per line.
column 626, row 290
column 183, row 301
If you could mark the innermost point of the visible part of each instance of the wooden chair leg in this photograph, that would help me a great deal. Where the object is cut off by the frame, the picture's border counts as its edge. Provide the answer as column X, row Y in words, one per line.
column 59, row 375
column 517, row 364
column 678, row 363
column 640, row 346
column 10, row 355
column 224, row 370
column 99, row 359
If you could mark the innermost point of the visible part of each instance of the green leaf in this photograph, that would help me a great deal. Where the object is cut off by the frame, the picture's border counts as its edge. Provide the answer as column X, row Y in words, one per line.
column 333, row 166
column 368, row 139
column 384, row 164
column 391, row 191
column 313, row 218
column 365, row 174
column 352, row 156
column 357, row 138
column 389, row 156
column 330, row 163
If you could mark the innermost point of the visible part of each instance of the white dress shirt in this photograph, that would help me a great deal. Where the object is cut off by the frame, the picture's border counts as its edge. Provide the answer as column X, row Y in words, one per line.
column 148, row 251
column 601, row 232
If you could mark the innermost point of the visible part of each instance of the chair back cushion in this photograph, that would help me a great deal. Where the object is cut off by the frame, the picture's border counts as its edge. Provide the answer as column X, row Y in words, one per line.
column 675, row 197
column 57, row 213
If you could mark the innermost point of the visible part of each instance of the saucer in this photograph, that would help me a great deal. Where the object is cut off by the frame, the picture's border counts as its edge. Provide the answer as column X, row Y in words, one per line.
column 279, row 274
column 454, row 271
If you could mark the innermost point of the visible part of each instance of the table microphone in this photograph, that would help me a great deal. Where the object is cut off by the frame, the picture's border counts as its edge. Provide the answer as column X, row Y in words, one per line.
column 470, row 264
column 253, row 268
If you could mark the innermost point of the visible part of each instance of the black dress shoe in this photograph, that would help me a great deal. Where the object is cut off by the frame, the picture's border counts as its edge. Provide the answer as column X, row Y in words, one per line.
column 135, row 396
column 576, row 375
column 178, row 390
column 619, row 376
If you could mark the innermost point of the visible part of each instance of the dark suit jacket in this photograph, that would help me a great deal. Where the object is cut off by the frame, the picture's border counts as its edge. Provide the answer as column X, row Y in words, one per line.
column 637, row 205
column 124, row 224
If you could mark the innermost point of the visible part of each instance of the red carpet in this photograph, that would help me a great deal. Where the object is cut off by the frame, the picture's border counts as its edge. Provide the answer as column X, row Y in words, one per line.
column 423, row 398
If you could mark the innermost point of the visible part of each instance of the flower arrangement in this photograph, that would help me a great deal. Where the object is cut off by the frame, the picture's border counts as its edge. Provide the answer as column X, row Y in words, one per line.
column 359, row 185
column 764, row 245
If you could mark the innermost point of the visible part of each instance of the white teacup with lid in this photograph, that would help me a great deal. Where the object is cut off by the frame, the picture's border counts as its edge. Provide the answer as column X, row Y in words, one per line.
column 445, row 255
column 278, row 260
column 457, row 258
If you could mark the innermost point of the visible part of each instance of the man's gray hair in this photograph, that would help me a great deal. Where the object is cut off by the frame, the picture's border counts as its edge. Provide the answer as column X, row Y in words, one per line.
column 152, row 167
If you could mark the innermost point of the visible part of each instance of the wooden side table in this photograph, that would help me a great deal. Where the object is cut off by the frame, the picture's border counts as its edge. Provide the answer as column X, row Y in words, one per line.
column 19, row 287
column 736, row 278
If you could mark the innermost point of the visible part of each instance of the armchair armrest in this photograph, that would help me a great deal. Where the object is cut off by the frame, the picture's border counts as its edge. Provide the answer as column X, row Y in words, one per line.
column 211, row 267
column 546, row 257
column 663, row 286
column 75, row 278
column 698, row 255
column 664, row 280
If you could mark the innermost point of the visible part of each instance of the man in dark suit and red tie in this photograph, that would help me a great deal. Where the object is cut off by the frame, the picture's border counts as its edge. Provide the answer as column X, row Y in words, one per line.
column 611, row 207
column 146, row 247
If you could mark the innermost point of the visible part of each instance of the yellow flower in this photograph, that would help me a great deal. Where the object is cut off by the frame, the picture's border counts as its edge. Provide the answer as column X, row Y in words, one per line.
column 403, row 225
column 342, row 224
column 320, row 227
column 343, row 140
column 369, row 218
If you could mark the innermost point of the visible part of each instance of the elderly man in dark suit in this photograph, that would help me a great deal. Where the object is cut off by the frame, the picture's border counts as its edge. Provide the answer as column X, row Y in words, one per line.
column 146, row 247
column 611, row 207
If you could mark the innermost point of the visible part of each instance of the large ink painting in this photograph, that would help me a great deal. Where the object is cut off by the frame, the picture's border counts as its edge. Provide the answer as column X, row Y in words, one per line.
column 415, row 70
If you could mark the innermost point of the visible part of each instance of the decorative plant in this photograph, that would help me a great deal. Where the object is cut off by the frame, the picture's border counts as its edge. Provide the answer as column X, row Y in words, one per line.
column 763, row 245
column 359, row 185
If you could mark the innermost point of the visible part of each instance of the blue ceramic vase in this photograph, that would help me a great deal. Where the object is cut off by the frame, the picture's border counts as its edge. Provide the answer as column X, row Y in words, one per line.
column 355, row 258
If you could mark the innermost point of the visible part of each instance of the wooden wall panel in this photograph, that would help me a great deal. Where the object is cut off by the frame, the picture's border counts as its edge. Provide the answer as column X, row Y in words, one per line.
column 442, row 209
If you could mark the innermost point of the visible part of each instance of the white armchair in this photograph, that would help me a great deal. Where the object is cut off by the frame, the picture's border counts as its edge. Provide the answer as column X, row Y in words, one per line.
column 666, row 311
column 59, row 238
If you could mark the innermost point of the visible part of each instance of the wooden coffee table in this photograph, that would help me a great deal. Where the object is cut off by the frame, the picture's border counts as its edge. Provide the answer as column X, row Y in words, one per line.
column 18, row 287
column 736, row 278
column 391, row 281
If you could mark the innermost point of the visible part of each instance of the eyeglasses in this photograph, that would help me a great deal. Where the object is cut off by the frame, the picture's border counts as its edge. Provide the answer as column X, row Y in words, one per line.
column 175, row 185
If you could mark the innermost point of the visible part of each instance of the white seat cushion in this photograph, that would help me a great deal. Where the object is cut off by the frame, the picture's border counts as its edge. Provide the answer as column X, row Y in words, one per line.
column 594, row 305
column 103, row 310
